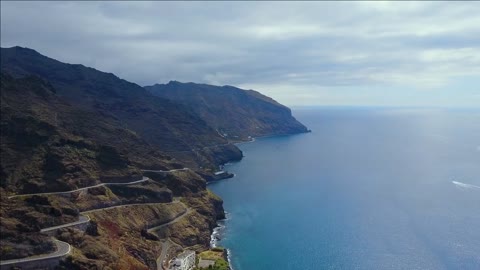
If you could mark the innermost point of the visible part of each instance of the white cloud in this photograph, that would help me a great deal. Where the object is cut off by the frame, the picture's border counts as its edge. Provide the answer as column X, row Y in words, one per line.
column 318, row 47
column 464, row 55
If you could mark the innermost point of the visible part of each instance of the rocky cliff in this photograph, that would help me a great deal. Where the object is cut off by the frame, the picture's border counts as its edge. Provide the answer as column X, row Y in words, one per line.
column 235, row 113
column 171, row 128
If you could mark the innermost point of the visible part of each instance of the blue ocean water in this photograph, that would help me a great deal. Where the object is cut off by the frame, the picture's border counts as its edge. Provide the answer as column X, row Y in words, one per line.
column 369, row 188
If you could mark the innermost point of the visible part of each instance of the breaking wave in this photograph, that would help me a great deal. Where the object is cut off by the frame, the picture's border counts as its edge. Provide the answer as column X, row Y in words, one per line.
column 465, row 186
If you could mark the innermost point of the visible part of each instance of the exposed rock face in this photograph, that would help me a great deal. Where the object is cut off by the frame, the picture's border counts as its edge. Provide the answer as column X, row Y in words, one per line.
column 235, row 113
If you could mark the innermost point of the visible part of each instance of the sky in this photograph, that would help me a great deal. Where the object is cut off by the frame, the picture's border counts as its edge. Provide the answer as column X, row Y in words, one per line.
column 299, row 53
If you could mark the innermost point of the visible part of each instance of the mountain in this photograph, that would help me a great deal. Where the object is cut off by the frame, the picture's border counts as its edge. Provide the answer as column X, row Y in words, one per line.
column 47, row 144
column 75, row 139
column 170, row 127
column 235, row 113
column 50, row 145
column 65, row 127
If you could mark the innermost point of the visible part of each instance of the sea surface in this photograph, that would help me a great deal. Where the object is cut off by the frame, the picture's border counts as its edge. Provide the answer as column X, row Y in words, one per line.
column 369, row 188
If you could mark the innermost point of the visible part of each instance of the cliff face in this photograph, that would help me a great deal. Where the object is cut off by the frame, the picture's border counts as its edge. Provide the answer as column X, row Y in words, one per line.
column 233, row 112
column 169, row 127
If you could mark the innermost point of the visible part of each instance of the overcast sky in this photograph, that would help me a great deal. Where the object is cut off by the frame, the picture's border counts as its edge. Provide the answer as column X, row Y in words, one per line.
column 311, row 53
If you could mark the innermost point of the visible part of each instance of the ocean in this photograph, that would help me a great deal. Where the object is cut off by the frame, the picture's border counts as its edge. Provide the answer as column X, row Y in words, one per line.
column 368, row 188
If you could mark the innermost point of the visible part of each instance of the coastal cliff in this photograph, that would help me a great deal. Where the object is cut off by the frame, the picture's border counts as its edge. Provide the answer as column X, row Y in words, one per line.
column 116, row 173
column 235, row 113
column 169, row 128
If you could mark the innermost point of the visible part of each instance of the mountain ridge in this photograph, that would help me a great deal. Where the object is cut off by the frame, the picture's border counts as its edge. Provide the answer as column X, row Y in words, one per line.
column 237, row 114
column 169, row 126
column 68, row 127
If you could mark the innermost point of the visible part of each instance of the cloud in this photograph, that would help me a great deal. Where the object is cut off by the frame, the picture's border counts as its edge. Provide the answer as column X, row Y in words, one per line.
column 332, row 51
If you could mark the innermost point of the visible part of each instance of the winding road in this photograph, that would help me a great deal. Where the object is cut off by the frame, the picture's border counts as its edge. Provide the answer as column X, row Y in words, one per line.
column 163, row 254
column 128, row 205
column 169, row 171
column 178, row 217
column 166, row 244
column 63, row 249
column 144, row 179
column 81, row 220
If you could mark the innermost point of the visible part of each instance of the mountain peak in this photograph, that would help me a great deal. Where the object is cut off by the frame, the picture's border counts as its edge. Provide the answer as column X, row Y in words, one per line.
column 23, row 50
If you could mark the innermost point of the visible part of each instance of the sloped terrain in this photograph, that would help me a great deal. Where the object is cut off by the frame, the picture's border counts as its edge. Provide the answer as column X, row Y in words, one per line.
column 235, row 113
column 169, row 127
column 49, row 145
column 72, row 128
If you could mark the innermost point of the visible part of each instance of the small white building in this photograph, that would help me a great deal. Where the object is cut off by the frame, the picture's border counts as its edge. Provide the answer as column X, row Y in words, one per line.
column 184, row 261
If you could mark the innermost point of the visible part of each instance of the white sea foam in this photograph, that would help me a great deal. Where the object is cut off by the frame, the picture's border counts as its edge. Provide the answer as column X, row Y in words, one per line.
column 465, row 186
column 229, row 256
column 216, row 235
column 219, row 231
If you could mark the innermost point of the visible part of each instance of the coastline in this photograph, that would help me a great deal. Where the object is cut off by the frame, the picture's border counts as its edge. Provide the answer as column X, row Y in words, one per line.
column 252, row 139
column 219, row 231
column 217, row 235
column 255, row 239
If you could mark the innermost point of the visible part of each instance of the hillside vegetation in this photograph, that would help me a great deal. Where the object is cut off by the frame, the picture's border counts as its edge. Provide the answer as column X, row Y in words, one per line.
column 235, row 113
column 72, row 128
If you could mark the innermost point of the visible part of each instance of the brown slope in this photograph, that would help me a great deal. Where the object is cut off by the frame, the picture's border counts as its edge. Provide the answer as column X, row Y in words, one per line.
column 65, row 126
column 47, row 144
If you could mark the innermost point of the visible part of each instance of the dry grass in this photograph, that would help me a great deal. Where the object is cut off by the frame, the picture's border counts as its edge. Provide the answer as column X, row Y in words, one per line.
column 211, row 255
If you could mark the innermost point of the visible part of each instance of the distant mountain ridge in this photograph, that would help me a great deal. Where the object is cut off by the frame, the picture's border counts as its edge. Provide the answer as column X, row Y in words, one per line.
column 168, row 127
column 94, row 111
column 235, row 113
